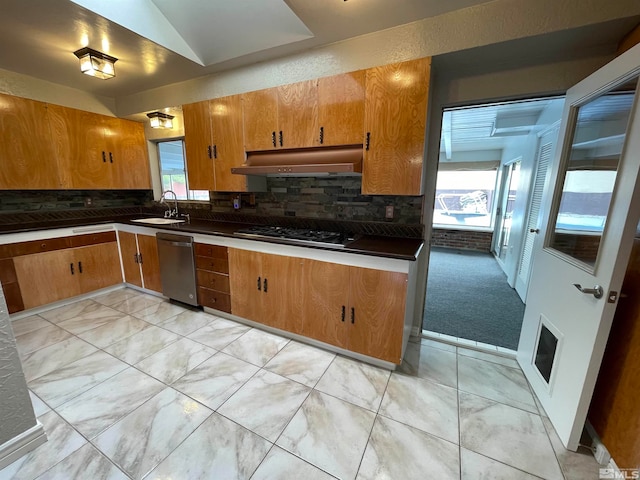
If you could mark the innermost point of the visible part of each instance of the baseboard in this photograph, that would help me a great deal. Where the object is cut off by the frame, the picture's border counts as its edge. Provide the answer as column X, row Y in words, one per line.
column 22, row 444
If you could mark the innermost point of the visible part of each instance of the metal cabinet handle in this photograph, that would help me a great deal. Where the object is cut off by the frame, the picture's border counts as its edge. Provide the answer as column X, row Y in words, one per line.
column 343, row 312
column 281, row 143
column 353, row 315
column 110, row 157
column 264, row 288
column 259, row 284
column 135, row 257
column 368, row 142
column 321, row 135
column 596, row 291
column 72, row 271
column 80, row 267
column 104, row 157
column 273, row 138
column 209, row 151
column 215, row 151
column 140, row 258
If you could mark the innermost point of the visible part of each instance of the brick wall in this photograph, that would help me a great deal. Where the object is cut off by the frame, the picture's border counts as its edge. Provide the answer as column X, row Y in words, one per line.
column 462, row 239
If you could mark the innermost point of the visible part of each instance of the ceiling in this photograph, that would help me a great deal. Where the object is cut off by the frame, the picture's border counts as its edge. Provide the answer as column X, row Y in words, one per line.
column 481, row 133
column 182, row 40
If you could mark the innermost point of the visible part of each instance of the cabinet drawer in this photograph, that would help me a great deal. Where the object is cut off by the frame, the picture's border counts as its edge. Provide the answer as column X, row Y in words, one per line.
column 93, row 239
column 214, row 281
column 39, row 246
column 214, row 299
column 213, row 251
column 220, row 265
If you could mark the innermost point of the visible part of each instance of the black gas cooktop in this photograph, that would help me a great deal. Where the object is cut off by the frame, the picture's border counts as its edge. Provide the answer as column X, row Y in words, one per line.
column 301, row 235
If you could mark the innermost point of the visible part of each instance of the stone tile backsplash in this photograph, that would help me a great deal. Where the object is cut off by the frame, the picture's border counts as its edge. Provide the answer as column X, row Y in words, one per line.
column 332, row 198
column 18, row 201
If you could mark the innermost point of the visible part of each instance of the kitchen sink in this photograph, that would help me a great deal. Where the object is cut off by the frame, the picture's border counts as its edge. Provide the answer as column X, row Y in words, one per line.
column 158, row 221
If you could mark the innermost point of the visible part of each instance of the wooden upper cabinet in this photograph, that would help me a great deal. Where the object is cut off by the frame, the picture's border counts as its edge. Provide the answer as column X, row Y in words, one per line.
column 395, row 121
column 376, row 322
column 127, row 154
column 298, row 115
column 27, row 158
column 198, row 144
column 341, row 109
column 80, row 148
column 228, row 143
column 99, row 152
column 260, row 112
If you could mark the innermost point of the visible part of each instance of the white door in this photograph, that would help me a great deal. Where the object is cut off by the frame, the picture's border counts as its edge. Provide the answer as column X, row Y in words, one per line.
column 589, row 218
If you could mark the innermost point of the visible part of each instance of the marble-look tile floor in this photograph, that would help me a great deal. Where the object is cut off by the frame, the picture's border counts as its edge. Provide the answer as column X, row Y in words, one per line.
column 128, row 386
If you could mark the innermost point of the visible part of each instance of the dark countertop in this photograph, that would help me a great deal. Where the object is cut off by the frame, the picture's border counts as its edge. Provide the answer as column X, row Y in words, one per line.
column 380, row 246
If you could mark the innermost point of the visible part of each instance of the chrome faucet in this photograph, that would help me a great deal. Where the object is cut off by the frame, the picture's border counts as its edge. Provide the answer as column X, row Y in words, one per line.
column 170, row 213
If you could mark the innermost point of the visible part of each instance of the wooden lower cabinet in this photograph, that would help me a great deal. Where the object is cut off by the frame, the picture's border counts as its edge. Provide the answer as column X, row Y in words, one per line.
column 140, row 260
column 267, row 288
column 359, row 309
column 354, row 308
column 52, row 276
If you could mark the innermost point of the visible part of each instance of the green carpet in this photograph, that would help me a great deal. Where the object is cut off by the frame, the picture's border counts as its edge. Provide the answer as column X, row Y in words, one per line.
column 468, row 297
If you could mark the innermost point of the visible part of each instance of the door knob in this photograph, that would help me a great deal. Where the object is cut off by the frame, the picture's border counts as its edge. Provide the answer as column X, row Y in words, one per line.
column 596, row 291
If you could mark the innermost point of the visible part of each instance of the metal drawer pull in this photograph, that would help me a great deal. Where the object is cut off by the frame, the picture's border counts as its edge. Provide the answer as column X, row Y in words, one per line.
column 596, row 291
column 273, row 138
column 72, row 271
column 343, row 312
column 353, row 315
column 80, row 267
column 265, row 286
column 259, row 284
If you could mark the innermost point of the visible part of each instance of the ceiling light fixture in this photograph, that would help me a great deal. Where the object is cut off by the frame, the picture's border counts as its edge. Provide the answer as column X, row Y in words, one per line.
column 96, row 64
column 160, row 120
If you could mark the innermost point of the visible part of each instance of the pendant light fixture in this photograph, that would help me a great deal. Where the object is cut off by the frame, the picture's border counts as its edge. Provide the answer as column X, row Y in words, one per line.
column 96, row 64
column 160, row 120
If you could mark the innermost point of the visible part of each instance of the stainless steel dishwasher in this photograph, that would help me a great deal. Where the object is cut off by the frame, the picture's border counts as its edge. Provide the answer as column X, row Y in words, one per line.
column 177, row 267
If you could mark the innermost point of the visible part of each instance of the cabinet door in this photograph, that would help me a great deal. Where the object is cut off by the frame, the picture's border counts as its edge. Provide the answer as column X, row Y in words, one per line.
column 341, row 109
column 260, row 113
column 47, row 277
column 127, row 154
column 395, row 119
column 376, row 322
column 197, row 143
column 326, row 296
column 80, row 147
column 283, row 298
column 228, row 143
column 26, row 150
column 129, row 251
column 98, row 266
column 148, row 248
column 245, row 282
column 298, row 114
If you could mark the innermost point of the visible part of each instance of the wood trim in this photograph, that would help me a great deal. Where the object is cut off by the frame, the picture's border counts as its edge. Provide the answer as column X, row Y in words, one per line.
column 93, row 239
column 629, row 41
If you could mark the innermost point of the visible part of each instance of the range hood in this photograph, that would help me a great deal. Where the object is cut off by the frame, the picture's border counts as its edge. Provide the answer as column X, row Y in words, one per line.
column 307, row 162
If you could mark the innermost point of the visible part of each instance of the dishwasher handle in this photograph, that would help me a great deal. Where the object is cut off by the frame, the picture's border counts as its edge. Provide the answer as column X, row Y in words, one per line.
column 178, row 244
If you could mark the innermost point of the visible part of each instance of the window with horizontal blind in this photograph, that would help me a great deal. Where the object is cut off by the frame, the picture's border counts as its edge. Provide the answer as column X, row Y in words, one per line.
column 173, row 171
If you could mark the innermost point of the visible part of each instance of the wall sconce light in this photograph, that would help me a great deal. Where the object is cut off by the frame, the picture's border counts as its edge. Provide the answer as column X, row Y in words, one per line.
column 160, row 120
column 96, row 64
